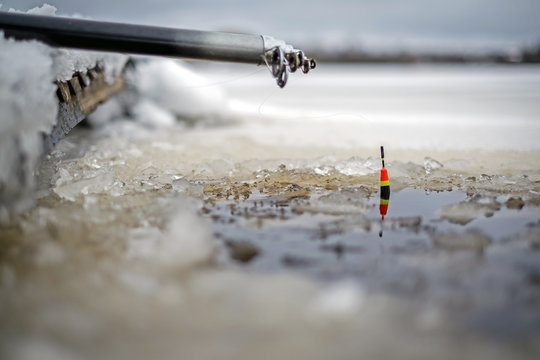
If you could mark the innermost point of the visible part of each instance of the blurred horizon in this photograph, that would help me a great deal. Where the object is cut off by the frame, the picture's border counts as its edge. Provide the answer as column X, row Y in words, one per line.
column 464, row 27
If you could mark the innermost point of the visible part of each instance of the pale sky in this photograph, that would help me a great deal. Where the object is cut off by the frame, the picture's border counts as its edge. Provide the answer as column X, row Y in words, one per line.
column 436, row 25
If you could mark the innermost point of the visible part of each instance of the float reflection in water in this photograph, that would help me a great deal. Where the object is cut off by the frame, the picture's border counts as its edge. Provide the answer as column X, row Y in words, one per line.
column 385, row 191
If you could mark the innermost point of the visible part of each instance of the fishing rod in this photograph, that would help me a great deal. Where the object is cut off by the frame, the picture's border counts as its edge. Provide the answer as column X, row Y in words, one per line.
column 278, row 56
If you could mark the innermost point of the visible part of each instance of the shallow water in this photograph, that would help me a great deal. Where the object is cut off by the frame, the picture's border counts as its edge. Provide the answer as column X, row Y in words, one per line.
column 395, row 256
column 254, row 239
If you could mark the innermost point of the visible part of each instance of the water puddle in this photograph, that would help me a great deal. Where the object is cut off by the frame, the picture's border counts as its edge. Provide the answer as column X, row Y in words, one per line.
column 424, row 249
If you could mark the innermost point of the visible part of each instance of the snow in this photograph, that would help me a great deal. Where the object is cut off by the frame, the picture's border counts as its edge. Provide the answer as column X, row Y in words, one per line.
column 173, row 87
column 162, row 92
column 270, row 43
column 28, row 105
column 45, row 9
column 67, row 62
column 28, row 108
column 86, row 186
column 149, row 113
column 431, row 164
column 112, row 109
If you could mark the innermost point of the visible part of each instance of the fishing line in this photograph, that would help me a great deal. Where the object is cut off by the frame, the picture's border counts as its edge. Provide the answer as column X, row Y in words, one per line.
column 272, row 93
column 226, row 81
column 330, row 115
column 355, row 114
column 275, row 91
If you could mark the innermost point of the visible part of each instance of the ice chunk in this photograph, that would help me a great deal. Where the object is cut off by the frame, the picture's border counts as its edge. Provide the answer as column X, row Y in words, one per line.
column 182, row 185
column 356, row 166
column 408, row 170
column 431, row 164
column 472, row 239
column 214, row 169
column 64, row 177
column 93, row 185
column 352, row 200
column 462, row 213
column 466, row 211
column 322, row 170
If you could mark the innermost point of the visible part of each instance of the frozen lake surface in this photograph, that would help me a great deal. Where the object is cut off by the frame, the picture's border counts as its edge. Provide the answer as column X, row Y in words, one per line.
column 410, row 106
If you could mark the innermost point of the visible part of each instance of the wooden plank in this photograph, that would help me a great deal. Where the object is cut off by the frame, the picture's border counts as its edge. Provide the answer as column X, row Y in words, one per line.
column 78, row 98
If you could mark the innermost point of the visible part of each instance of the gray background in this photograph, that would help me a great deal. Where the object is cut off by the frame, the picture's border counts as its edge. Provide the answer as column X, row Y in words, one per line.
column 434, row 25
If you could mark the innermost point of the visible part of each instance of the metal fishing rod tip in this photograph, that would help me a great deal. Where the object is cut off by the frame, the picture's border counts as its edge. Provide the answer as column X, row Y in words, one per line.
column 280, row 61
column 306, row 66
column 293, row 59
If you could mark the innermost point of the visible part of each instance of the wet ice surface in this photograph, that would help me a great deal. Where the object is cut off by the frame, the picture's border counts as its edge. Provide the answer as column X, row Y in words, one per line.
column 418, row 256
column 208, row 243
column 140, row 238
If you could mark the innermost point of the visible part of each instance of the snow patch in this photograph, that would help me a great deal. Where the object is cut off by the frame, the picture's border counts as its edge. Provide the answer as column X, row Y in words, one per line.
column 149, row 113
column 173, row 87
column 68, row 62
column 28, row 106
column 45, row 9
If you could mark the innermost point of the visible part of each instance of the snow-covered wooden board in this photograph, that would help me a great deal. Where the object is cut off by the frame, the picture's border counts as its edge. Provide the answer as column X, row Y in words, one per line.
column 79, row 97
